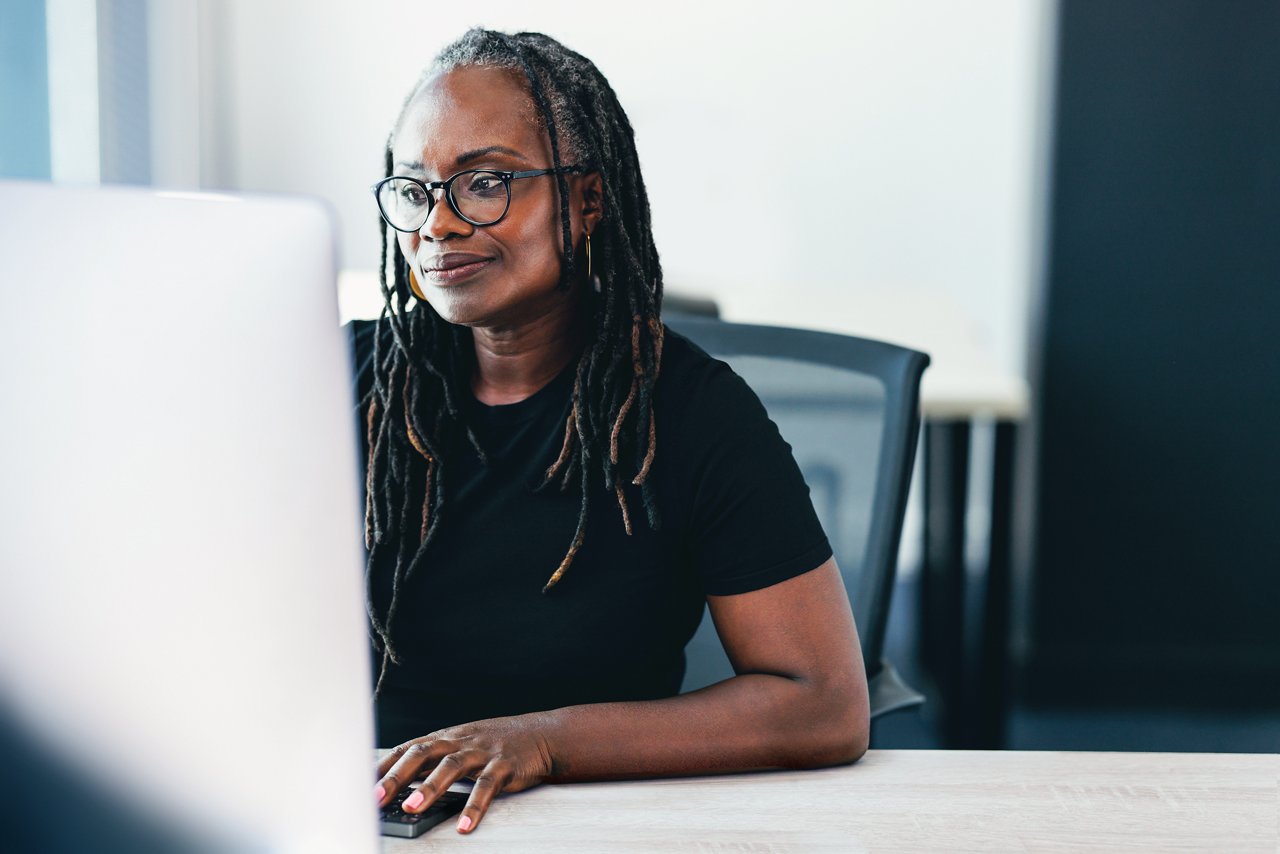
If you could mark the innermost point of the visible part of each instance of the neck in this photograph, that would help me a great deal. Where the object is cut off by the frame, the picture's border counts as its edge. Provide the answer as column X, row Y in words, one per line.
column 515, row 362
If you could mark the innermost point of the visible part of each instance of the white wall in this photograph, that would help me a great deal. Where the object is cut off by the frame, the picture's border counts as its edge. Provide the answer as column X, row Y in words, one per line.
column 805, row 160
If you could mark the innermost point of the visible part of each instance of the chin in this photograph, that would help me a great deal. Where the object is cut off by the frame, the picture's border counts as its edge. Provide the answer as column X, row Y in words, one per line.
column 457, row 309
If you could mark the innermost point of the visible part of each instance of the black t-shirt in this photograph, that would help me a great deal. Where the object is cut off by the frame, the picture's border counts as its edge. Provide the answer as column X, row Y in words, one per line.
column 477, row 636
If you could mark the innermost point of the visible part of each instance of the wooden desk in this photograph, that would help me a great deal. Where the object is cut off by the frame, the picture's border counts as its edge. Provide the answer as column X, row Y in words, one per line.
column 905, row 800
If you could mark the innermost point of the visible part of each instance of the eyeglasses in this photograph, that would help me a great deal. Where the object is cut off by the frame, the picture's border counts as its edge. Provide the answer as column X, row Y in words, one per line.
column 479, row 196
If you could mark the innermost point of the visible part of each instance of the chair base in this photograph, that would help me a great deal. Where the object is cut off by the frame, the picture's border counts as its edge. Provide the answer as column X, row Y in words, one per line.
column 888, row 693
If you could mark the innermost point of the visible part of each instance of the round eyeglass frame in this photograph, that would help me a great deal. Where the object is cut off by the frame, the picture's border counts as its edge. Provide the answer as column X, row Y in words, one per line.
column 447, row 185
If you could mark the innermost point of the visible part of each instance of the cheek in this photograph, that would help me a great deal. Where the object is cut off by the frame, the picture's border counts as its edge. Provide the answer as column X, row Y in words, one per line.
column 408, row 244
column 539, row 243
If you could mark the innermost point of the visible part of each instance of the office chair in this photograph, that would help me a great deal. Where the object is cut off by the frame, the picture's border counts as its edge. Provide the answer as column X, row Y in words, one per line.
column 682, row 304
column 849, row 408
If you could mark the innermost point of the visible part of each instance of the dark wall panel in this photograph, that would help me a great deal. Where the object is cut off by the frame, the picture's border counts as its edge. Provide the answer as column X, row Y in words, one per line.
column 1158, row 554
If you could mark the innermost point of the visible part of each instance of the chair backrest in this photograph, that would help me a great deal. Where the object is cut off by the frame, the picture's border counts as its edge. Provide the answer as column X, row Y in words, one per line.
column 849, row 408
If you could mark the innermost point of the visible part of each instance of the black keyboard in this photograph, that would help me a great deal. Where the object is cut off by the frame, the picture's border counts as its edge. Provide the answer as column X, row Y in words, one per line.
column 397, row 822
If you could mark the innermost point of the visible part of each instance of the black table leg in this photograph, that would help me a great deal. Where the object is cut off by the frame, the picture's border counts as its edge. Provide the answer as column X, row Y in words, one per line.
column 946, row 486
column 992, row 701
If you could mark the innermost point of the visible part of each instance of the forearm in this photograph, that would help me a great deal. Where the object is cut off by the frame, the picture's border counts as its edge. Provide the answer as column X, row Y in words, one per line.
column 750, row 722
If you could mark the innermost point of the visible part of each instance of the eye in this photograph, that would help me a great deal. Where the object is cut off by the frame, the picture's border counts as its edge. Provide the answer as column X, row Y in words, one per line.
column 485, row 184
column 412, row 194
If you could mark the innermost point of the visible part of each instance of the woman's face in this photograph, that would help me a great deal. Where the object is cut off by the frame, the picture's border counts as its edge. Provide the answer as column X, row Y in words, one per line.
column 501, row 275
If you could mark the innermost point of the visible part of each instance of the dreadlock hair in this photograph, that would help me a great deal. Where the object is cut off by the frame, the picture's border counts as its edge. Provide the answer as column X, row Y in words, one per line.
column 421, row 362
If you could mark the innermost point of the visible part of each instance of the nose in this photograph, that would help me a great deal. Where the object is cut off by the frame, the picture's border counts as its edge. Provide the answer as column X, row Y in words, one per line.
column 443, row 223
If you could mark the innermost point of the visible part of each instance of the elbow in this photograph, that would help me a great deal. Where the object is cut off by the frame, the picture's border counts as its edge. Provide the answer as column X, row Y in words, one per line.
column 849, row 730
column 858, row 741
column 839, row 722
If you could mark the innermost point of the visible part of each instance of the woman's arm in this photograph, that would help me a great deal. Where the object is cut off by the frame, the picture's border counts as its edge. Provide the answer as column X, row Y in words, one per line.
column 799, row 701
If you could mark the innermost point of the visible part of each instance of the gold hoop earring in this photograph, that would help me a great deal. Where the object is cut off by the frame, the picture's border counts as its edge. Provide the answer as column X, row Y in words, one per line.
column 413, row 286
column 594, row 280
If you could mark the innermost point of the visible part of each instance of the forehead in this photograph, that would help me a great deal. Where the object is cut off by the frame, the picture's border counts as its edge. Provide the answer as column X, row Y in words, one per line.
column 465, row 110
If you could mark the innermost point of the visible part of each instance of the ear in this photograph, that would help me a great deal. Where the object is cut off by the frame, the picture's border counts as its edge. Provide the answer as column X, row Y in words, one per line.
column 592, row 201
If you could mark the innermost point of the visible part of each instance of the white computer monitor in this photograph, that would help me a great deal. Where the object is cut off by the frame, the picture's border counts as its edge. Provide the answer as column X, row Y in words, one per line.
column 181, row 594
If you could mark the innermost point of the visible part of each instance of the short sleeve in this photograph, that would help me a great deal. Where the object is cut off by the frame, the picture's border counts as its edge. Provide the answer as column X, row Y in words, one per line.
column 750, row 521
column 360, row 345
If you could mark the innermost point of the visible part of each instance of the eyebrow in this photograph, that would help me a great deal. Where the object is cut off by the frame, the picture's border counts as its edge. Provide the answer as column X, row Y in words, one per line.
column 468, row 156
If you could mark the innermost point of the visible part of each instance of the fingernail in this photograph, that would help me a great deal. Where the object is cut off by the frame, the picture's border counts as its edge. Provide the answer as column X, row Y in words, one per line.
column 414, row 801
column 379, row 793
column 464, row 824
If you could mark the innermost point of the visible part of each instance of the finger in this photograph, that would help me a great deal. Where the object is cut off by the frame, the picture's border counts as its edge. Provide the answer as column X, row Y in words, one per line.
column 495, row 777
column 393, row 755
column 450, row 769
column 409, row 766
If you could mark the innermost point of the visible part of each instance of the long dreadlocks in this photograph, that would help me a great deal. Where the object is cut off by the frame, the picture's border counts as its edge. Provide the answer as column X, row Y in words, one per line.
column 414, row 417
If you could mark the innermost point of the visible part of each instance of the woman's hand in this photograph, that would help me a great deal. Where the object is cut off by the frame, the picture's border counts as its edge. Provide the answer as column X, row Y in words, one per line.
column 500, row 754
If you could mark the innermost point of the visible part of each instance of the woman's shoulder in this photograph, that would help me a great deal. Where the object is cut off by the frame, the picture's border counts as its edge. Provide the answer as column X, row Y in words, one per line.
column 703, row 407
column 693, row 382
column 740, row 498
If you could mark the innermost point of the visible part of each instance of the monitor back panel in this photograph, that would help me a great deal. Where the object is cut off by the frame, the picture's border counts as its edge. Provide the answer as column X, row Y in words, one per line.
column 181, row 603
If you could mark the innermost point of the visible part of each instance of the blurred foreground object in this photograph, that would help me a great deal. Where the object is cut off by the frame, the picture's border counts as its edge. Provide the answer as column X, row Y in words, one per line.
column 181, row 607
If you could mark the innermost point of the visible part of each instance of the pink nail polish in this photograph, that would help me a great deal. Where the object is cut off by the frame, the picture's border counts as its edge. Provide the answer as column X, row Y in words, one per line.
column 414, row 801
column 464, row 824
column 379, row 793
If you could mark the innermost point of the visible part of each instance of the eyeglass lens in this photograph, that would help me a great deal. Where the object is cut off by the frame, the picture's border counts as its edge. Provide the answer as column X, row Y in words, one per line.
column 481, row 197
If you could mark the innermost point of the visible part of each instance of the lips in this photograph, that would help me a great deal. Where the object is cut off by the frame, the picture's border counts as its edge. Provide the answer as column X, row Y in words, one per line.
column 453, row 267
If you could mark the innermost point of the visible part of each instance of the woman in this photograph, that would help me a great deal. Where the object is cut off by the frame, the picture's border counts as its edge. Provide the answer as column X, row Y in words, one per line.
column 557, row 483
